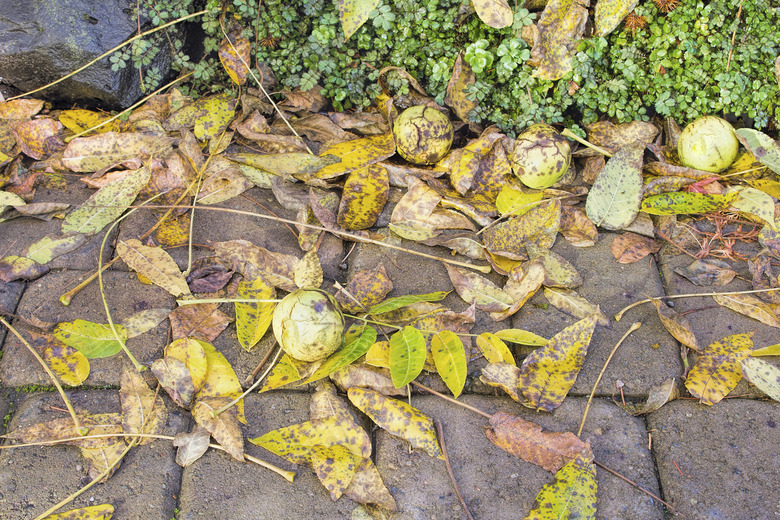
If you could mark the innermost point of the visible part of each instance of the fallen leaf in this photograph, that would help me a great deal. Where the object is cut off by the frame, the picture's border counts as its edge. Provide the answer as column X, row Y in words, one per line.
column 20, row 268
column 91, row 154
column 104, row 458
column 398, row 418
column 234, row 53
column 354, row 13
column 571, row 495
column 450, row 359
column 191, row 352
column 678, row 326
column 308, row 271
column 494, row 349
column 473, row 288
column 143, row 411
column 253, row 318
column 560, row 25
column 495, row 13
column 572, row 303
column 755, row 203
column 276, row 268
column 763, row 147
column 628, row 248
column 144, row 321
column 221, row 381
column 612, row 137
column 512, row 200
column 223, row 181
column 460, row 81
column 548, row 373
column 100, row 512
column 504, row 376
column 750, row 306
column 78, row 120
column 765, row 376
column 613, row 201
column 224, row 427
column 539, row 225
column 285, row 372
column 522, row 337
column 364, row 376
column 657, row 397
column 356, row 343
column 718, row 370
column 94, row 340
column 367, row 487
column 207, row 116
column 39, row 137
column 609, row 14
column 175, row 378
column 191, row 445
column 203, row 321
column 363, row 197
column 558, row 272
column 155, row 264
column 356, row 154
column 407, row 355
column 686, row 203
column 70, row 365
column 335, row 466
column 707, row 271
column 526, row 440
column 368, row 287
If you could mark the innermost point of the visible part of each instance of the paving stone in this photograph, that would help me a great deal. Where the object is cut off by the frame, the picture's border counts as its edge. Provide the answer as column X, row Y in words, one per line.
column 10, row 294
column 712, row 322
column 17, row 234
column 647, row 357
column 728, row 455
column 217, row 486
column 35, row 478
column 126, row 295
column 7, row 406
column 496, row 484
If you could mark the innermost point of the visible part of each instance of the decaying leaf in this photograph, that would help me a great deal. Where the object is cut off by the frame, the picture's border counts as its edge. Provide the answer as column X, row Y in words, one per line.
column 504, row 376
column 525, row 439
column 609, row 14
column 354, row 13
column 686, row 203
column 572, row 495
column 750, row 306
column 234, row 53
column 398, row 419
column 718, row 370
column 335, row 466
column 253, row 318
column 191, row 445
column 561, row 24
column 363, row 198
column 572, row 303
column 365, row 376
column 100, row 512
column 678, row 326
column 356, row 154
column 613, row 201
column 308, row 272
column 658, row 396
column 765, row 376
column 70, row 365
column 707, row 271
column 539, row 225
column 175, row 378
column 763, row 147
column 142, row 410
column 368, row 287
column 202, row 321
column 19, row 268
column 628, row 248
column 90, row 154
column 224, row 427
column 462, row 78
column 276, row 268
column 367, row 487
column 494, row 349
column 548, row 373
column 495, row 13
column 155, row 264
column 474, row 288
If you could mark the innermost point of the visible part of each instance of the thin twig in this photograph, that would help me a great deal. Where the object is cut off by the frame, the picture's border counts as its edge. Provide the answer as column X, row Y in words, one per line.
column 251, row 377
column 440, row 434
column 640, row 488
column 601, row 374
column 450, row 399
column 76, row 422
column 734, row 36
column 214, row 413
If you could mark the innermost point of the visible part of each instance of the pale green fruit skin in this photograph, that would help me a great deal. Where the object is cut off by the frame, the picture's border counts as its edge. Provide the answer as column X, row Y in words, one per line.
column 708, row 143
column 541, row 156
column 308, row 324
column 423, row 135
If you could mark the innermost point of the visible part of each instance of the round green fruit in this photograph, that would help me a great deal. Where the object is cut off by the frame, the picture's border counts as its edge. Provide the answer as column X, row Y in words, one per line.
column 540, row 156
column 708, row 143
column 308, row 324
column 423, row 135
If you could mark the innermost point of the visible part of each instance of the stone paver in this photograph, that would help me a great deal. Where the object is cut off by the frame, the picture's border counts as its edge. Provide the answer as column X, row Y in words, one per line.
column 33, row 479
column 720, row 462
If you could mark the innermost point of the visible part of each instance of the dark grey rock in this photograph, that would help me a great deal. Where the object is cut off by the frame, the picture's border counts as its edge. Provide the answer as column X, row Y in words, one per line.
column 44, row 40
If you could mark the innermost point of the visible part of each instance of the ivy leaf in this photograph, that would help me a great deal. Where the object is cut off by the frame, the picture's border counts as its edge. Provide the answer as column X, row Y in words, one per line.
column 548, row 373
column 572, row 495
column 253, row 318
column 362, row 337
column 155, row 264
column 526, row 440
column 609, row 14
column 94, row 340
column 766, row 377
column 717, row 370
column 354, row 13
column 450, row 359
column 613, row 201
column 407, row 355
column 398, row 418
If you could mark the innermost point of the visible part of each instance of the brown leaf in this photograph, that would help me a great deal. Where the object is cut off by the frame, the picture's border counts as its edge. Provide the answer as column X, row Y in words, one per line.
column 142, row 410
column 466, row 244
column 191, row 445
column 504, row 376
column 39, row 137
column 224, row 427
column 223, row 181
column 368, row 287
column 708, row 271
column 474, row 288
column 521, row 285
column 234, row 53
column 101, row 458
column 60, row 429
column 593, row 166
column 658, row 396
column 155, row 264
column 366, row 123
column 678, row 326
column 367, row 487
column 20, row 268
column 364, row 376
column 558, row 271
column 749, row 306
column 577, row 228
column 525, row 439
column 316, row 127
column 628, row 248
column 613, row 137
column 276, row 268
column 467, row 162
column 174, row 376
column 417, row 204
column 462, row 78
column 203, row 321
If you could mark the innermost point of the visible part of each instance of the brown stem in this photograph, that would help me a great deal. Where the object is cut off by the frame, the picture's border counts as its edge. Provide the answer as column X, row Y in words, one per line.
column 450, row 399
column 440, row 434
column 640, row 488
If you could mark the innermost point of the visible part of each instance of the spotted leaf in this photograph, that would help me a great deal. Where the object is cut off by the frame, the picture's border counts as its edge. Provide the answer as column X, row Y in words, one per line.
column 765, row 376
column 363, row 197
column 335, row 466
column 407, row 355
column 572, row 495
column 717, row 370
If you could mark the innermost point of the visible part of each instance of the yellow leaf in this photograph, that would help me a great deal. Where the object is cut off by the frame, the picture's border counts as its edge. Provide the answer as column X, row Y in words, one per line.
column 512, row 200
column 379, row 354
column 562, row 23
column 354, row 13
column 367, row 287
column 221, row 380
column 474, row 288
column 253, row 318
column 522, row 337
column 101, row 512
column 717, row 370
column 70, row 365
column 78, row 120
column 90, row 154
column 503, row 376
column 286, row 371
column 494, row 350
column 609, row 14
column 155, row 264
column 572, row 303
column 207, row 116
column 457, row 98
column 495, row 13
column 766, row 377
column 749, row 306
column 308, row 272
column 335, row 466
column 572, row 495
column 356, row 154
column 143, row 411
column 771, row 350
column 521, row 285
column 363, row 197
column 539, row 225
column 450, row 359
column 398, row 418
column 234, row 53
column 547, row 374
column 190, row 352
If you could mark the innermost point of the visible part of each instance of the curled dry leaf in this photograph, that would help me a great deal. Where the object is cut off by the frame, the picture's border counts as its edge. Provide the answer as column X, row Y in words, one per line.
column 678, row 326
column 525, row 439
column 572, row 303
column 658, row 396
column 364, row 376
column 706, row 272
column 224, row 427
column 191, row 445
column 276, row 268
column 628, row 248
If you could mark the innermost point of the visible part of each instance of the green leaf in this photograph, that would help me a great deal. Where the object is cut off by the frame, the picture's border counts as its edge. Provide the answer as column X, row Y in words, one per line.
column 571, row 496
column 94, row 340
column 613, row 201
column 398, row 418
column 450, row 359
column 106, row 204
column 354, row 13
column 399, row 302
column 52, row 246
column 763, row 147
column 684, row 203
column 547, row 374
column 362, row 337
column 609, row 14
column 253, row 318
column 407, row 355
column 766, row 377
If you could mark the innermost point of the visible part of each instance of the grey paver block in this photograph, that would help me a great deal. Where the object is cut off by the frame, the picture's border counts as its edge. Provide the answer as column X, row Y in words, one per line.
column 126, row 295
column 496, row 484
column 217, row 486
column 647, row 357
column 10, row 294
column 17, row 234
column 35, row 478
column 728, row 458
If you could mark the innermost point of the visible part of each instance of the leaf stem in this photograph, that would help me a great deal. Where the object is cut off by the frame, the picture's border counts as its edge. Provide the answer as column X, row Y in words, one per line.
column 452, row 400
column 601, row 374
column 440, row 434
column 619, row 315
column 571, row 135
column 68, row 405
column 640, row 488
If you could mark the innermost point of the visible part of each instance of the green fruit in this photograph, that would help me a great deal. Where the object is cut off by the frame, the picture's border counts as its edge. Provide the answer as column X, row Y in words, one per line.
column 540, row 157
column 308, row 324
column 423, row 135
column 708, row 143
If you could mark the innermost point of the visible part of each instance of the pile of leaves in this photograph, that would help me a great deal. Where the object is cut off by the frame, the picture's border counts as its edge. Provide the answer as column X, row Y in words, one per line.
column 176, row 152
